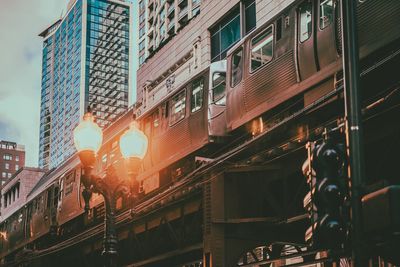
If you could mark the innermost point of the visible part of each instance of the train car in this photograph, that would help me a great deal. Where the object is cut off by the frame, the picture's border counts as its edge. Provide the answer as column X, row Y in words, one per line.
column 299, row 52
column 184, row 123
column 12, row 231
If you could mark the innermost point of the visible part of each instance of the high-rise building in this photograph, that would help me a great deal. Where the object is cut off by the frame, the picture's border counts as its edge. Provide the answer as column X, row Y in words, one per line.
column 86, row 61
column 12, row 158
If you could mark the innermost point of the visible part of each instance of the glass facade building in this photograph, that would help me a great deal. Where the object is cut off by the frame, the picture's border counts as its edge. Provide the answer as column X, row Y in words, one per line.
column 86, row 59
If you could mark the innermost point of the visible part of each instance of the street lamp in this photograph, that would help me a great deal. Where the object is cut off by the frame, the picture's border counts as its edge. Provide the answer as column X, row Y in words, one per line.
column 88, row 138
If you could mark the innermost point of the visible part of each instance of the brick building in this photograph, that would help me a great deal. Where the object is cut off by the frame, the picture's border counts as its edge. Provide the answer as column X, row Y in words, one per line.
column 15, row 190
column 12, row 158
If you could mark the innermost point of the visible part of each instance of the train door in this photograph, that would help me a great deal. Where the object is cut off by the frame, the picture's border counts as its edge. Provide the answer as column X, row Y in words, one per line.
column 217, row 99
column 197, row 111
column 326, row 43
column 306, row 56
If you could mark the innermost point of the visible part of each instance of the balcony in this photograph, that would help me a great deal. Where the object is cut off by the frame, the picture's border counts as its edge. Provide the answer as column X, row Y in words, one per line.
column 150, row 4
column 151, row 17
column 183, row 13
column 182, row 3
column 171, row 27
column 151, row 46
column 150, row 32
column 195, row 11
column 171, row 10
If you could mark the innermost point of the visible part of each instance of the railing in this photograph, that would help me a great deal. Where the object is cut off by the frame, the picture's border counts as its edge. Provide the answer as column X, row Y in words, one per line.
column 183, row 13
column 170, row 9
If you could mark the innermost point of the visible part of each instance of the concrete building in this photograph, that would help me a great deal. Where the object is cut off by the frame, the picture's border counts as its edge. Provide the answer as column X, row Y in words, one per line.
column 16, row 190
column 179, row 38
column 12, row 158
column 86, row 61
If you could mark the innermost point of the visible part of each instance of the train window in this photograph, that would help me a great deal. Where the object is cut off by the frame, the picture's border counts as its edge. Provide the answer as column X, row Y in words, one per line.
column 156, row 119
column 218, row 90
column 325, row 13
column 55, row 196
column 177, row 108
column 61, row 191
column 69, row 183
column 48, row 198
column 196, row 101
column 305, row 18
column 262, row 49
column 114, row 144
column 236, row 67
column 104, row 159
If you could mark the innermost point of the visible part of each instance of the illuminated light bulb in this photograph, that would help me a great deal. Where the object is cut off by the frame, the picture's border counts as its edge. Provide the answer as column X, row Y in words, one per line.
column 88, row 135
column 133, row 143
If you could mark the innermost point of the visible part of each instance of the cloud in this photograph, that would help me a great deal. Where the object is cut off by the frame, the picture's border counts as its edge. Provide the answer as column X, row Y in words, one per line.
column 20, row 69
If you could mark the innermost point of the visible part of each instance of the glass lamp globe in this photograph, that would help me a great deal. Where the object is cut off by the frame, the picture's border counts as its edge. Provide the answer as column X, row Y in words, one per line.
column 133, row 143
column 88, row 135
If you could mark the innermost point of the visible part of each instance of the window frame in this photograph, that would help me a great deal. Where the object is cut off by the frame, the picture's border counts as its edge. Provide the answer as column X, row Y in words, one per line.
column 239, row 50
column 299, row 22
column 201, row 81
column 184, row 93
column 272, row 27
column 319, row 14
column 213, row 101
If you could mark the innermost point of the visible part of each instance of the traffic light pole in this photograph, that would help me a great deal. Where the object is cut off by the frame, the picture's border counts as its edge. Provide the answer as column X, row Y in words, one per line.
column 354, row 129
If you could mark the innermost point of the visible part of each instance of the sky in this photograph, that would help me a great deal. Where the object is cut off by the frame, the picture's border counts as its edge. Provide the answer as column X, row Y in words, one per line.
column 20, row 68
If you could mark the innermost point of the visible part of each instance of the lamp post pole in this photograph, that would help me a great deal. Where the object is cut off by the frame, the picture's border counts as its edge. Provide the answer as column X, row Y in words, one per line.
column 111, row 188
column 354, row 127
column 133, row 145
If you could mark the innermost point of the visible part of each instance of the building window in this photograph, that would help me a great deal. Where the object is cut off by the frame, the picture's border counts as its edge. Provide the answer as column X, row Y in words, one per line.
column 218, row 90
column 16, row 158
column 262, row 49
column 325, row 13
column 225, row 35
column 8, row 175
column 141, row 45
column 177, row 107
column 141, row 60
column 141, row 5
column 7, row 157
column 305, row 17
column 249, row 15
column 142, row 31
column 16, row 167
column 141, row 18
column 4, row 175
column 7, row 166
column 236, row 67
column 197, row 95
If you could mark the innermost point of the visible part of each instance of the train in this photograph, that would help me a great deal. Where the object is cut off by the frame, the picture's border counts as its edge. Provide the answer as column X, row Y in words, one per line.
column 295, row 55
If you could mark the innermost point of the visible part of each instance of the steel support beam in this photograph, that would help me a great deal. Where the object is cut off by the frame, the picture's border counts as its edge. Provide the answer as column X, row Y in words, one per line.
column 354, row 129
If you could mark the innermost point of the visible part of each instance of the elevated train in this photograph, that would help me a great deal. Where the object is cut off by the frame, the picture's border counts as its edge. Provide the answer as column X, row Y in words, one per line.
column 296, row 54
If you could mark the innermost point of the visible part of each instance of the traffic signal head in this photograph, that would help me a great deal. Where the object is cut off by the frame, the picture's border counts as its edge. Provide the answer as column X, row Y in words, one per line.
column 325, row 171
column 328, row 161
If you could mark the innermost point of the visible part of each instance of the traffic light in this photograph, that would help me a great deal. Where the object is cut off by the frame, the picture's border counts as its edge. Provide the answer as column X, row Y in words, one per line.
column 325, row 169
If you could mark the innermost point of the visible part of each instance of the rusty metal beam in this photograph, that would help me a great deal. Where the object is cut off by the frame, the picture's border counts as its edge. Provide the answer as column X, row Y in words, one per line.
column 167, row 255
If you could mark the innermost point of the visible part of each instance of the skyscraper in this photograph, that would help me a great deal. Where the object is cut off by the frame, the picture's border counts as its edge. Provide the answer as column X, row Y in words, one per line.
column 86, row 61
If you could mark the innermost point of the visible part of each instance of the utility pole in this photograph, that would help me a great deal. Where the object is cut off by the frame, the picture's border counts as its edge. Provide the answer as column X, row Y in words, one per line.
column 354, row 129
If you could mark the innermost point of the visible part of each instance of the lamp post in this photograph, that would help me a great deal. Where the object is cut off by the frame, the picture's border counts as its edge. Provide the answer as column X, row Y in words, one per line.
column 133, row 145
